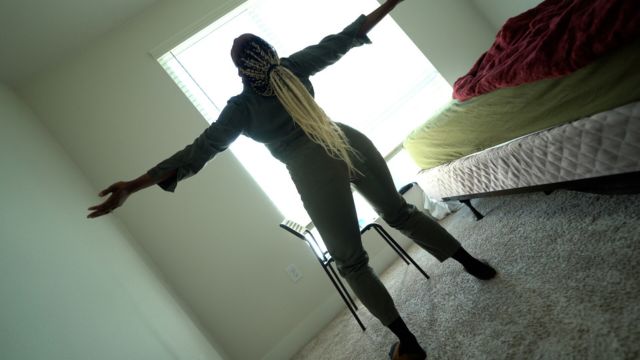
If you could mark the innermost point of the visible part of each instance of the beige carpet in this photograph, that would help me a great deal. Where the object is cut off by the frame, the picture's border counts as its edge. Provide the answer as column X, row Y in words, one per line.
column 568, row 286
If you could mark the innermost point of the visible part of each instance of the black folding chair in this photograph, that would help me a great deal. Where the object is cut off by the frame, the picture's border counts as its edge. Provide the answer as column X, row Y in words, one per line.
column 325, row 259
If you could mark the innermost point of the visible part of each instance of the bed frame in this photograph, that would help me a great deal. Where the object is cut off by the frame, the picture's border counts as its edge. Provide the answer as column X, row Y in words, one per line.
column 617, row 184
column 605, row 159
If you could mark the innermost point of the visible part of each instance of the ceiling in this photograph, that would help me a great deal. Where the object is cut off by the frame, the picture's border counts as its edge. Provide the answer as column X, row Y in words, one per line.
column 35, row 34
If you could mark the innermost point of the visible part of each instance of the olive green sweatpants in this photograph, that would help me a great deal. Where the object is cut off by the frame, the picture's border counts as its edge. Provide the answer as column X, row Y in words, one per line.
column 325, row 188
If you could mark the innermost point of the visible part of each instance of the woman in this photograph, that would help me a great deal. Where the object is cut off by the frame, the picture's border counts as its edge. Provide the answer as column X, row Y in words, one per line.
column 324, row 158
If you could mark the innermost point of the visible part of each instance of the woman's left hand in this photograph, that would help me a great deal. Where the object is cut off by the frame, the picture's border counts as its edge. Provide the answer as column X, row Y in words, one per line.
column 119, row 191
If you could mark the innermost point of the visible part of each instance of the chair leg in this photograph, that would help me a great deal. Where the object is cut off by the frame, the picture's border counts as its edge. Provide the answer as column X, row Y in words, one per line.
column 392, row 244
column 337, row 281
column 475, row 212
column 397, row 247
column 344, row 289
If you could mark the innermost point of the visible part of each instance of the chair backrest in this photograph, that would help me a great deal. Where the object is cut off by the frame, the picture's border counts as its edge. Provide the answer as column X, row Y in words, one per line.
column 294, row 228
column 303, row 233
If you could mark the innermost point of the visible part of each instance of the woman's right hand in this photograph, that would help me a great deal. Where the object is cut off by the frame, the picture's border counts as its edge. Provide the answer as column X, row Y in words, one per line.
column 375, row 16
column 119, row 191
column 394, row 2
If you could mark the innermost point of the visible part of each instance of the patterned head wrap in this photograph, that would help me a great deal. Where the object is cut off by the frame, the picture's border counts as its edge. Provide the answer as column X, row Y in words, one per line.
column 256, row 60
column 259, row 65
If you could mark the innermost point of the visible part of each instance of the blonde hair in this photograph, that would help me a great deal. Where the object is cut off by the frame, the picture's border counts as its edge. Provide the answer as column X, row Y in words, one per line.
column 260, row 64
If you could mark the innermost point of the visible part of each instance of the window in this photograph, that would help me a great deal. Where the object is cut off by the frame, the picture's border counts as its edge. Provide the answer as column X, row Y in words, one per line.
column 384, row 90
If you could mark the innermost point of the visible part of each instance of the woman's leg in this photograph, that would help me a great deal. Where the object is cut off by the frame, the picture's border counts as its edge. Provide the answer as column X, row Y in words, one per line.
column 376, row 185
column 323, row 184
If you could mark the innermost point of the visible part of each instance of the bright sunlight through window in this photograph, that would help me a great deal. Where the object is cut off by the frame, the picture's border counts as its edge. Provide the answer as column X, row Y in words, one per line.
column 384, row 89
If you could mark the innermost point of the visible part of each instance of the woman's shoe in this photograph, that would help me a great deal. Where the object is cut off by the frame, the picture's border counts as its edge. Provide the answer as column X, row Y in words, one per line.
column 394, row 354
column 482, row 272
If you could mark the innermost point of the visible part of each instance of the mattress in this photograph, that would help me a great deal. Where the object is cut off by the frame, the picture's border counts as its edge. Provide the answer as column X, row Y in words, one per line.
column 464, row 128
column 606, row 143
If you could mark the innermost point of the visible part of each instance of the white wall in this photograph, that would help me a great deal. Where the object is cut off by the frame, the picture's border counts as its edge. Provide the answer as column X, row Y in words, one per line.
column 216, row 241
column 498, row 11
column 72, row 288
column 452, row 34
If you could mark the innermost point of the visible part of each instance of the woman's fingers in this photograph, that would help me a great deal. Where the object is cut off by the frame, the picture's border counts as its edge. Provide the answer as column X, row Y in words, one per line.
column 98, row 213
column 110, row 189
column 95, row 213
column 98, row 208
column 111, row 203
column 101, row 209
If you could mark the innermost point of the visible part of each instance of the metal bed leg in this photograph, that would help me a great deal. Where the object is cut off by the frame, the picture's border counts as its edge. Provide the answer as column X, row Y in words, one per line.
column 475, row 212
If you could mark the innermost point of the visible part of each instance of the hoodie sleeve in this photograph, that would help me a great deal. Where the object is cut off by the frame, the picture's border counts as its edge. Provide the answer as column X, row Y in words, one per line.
column 312, row 59
column 190, row 160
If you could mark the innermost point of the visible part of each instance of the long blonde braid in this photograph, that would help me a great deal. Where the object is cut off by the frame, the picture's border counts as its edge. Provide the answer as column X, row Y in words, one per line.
column 260, row 65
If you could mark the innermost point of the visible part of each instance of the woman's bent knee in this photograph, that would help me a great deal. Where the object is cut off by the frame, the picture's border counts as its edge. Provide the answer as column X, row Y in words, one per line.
column 401, row 217
column 353, row 266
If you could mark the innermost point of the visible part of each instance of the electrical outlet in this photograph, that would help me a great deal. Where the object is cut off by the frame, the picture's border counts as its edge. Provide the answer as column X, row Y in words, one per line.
column 294, row 273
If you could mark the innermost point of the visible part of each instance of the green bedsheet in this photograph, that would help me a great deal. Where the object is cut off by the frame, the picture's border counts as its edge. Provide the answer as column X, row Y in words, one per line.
column 463, row 128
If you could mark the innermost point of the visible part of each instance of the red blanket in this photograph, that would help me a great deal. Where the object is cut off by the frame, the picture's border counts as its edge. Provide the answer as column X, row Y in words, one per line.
column 553, row 39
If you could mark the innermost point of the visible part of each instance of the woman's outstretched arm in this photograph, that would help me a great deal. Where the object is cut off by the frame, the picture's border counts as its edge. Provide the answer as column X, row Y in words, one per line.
column 315, row 58
column 374, row 17
column 184, row 163
column 121, row 190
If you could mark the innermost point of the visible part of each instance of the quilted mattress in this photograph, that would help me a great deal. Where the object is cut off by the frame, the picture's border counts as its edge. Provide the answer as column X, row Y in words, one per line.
column 606, row 143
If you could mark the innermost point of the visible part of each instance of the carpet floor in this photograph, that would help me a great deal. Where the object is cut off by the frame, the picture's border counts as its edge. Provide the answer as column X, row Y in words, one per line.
column 567, row 286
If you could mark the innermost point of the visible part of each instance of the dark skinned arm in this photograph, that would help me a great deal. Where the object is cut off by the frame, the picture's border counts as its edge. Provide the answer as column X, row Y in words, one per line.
column 374, row 17
column 121, row 190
